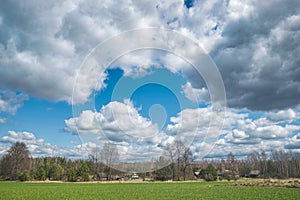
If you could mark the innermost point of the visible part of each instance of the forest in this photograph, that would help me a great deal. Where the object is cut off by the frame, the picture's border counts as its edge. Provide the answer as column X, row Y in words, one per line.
column 17, row 164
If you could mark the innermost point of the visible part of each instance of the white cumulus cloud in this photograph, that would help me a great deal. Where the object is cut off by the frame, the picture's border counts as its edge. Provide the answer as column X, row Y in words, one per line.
column 39, row 147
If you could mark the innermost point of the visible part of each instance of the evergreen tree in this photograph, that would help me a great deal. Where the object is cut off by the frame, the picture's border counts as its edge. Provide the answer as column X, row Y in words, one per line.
column 84, row 172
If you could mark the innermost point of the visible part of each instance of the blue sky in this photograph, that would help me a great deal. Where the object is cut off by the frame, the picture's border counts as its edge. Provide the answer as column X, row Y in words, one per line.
column 159, row 87
column 44, row 118
column 148, row 98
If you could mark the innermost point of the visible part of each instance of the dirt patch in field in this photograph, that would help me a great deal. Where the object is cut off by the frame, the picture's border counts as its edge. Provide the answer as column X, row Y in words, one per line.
column 278, row 183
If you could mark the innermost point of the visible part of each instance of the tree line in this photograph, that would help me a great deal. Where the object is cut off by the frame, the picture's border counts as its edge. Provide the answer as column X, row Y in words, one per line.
column 17, row 164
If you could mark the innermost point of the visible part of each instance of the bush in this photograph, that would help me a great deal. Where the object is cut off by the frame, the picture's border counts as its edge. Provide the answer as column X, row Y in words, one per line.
column 209, row 177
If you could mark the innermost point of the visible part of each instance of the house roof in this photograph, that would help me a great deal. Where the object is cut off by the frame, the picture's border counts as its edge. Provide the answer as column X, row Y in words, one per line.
column 254, row 172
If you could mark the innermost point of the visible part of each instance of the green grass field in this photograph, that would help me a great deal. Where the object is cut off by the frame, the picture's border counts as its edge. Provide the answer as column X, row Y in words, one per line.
column 179, row 190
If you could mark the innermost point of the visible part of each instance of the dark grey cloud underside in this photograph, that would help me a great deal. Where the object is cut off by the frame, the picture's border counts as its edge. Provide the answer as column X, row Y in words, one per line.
column 272, row 81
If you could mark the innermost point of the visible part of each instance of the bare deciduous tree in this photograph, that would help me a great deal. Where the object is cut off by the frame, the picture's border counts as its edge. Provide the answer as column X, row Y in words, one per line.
column 95, row 158
column 110, row 157
column 180, row 157
column 16, row 161
column 171, row 154
column 186, row 161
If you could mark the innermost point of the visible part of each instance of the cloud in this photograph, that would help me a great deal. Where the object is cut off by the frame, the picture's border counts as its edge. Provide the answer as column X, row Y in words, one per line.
column 199, row 128
column 241, row 134
column 33, row 59
column 10, row 102
column 241, row 150
column 282, row 115
column 119, row 122
column 191, row 122
column 248, row 134
column 293, row 143
column 261, row 128
column 255, row 45
column 85, row 123
column 257, row 55
column 203, row 119
column 139, row 63
column 195, row 95
column 136, row 137
column 39, row 147
column 192, row 127
column 243, row 131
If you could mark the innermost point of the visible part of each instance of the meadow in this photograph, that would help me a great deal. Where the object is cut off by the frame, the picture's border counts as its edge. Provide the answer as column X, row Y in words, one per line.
column 156, row 190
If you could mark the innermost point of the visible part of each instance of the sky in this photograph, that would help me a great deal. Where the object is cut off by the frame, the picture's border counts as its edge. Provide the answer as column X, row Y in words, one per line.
column 77, row 74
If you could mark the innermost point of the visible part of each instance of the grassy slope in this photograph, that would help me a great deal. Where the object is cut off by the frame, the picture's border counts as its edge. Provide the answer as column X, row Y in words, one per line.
column 193, row 190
